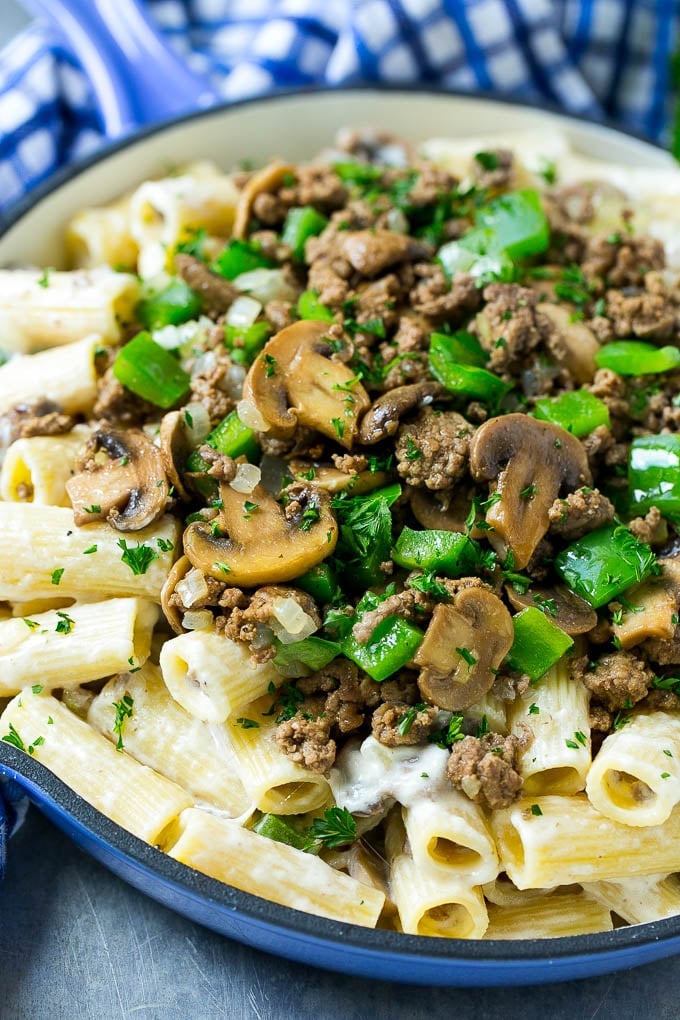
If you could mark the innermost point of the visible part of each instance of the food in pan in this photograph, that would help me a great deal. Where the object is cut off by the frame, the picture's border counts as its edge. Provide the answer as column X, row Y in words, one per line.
column 339, row 546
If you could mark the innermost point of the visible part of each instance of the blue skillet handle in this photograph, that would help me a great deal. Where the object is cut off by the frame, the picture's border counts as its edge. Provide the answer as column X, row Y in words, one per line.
column 137, row 79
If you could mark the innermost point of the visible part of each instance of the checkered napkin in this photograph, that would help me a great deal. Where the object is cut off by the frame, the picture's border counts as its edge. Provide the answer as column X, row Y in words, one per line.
column 595, row 57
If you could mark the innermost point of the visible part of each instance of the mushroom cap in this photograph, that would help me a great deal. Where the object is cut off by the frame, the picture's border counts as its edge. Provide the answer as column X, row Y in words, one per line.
column 247, row 547
column 529, row 463
column 566, row 610
column 266, row 179
column 382, row 420
column 573, row 344
column 464, row 645
column 297, row 380
column 130, row 488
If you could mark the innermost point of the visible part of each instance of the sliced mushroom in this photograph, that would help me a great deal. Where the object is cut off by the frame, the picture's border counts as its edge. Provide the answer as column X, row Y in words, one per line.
column 445, row 511
column 572, row 344
column 372, row 251
column 330, row 478
column 297, row 380
column 175, row 447
column 248, row 545
column 464, row 645
column 529, row 463
column 128, row 488
column 172, row 613
column 269, row 178
column 382, row 421
column 569, row 612
column 654, row 607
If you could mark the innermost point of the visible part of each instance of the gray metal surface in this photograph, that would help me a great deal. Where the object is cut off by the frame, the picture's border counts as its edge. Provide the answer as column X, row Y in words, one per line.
column 77, row 943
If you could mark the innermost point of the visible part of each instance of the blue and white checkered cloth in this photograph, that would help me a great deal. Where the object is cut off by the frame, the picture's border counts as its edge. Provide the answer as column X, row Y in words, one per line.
column 606, row 58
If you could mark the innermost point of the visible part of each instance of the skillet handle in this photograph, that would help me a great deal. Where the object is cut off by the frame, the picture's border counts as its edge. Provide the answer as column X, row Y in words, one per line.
column 136, row 77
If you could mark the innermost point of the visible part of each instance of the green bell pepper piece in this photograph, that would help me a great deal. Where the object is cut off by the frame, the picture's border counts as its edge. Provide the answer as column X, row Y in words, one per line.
column 309, row 307
column 232, row 438
column 517, row 223
column 174, row 304
column 577, row 411
column 464, row 348
column 302, row 222
column 313, row 653
column 445, row 552
column 654, row 474
column 240, row 257
column 320, row 582
column 604, row 563
column 148, row 370
column 391, row 646
column 633, row 357
column 465, row 380
column 245, row 343
column 539, row 643
column 282, row 829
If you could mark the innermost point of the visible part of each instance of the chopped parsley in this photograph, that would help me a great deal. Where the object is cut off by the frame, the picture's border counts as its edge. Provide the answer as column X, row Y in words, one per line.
column 453, row 732
column 336, row 828
column 222, row 567
column 536, row 810
column 123, row 711
column 139, row 558
column 339, row 426
column 31, row 624
column 57, row 575
column 534, row 709
column 466, row 654
column 487, row 160
column 408, row 718
column 309, row 517
column 44, row 280
column 65, row 624
column 37, row 688
column 165, row 545
column 14, row 738
column 413, row 452
column 88, row 552
column 270, row 365
column 529, row 491
column 429, row 585
column 247, row 724
column 94, row 509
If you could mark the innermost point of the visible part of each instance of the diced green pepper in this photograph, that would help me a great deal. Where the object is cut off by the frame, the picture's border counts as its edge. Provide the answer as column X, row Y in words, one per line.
column 312, row 653
column 302, row 222
column 358, row 173
column 175, row 303
column 518, row 224
column 445, row 552
column 240, row 257
column 148, row 370
column 309, row 307
column 604, row 563
column 577, row 411
column 232, row 438
column 391, row 646
column 282, row 829
column 539, row 643
column 464, row 380
column 464, row 348
column 320, row 582
column 245, row 343
column 654, row 474
column 633, row 357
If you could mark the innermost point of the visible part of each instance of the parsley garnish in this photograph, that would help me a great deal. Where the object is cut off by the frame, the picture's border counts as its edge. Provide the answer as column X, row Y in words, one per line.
column 429, row 585
column 620, row 720
column 336, row 828
column 14, row 738
column 466, row 654
column 536, row 810
column 247, row 724
column 270, row 365
column 138, row 559
column 413, row 452
column 37, row 688
column 339, row 426
column 94, row 509
column 487, row 160
column 482, row 727
column 222, row 567
column 534, row 709
column 407, row 720
column 309, row 517
column 92, row 549
column 44, row 280
column 57, row 575
column 453, row 732
column 65, row 624
column 123, row 711
column 529, row 491
column 31, row 624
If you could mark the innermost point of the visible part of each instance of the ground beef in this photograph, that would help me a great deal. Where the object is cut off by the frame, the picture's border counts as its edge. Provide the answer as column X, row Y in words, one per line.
column 209, row 385
column 654, row 405
column 651, row 528
column 617, row 680
column 600, row 719
column 582, row 511
column 271, row 246
column 402, row 688
column 621, row 260
column 317, row 185
column 280, row 314
column 432, row 451
column 118, row 405
column 406, row 369
column 664, row 651
column 350, row 463
column 410, row 605
column 438, row 299
column 659, row 700
column 355, row 693
column 485, row 769
column 388, row 718
column 39, row 417
column 610, row 387
column 511, row 327
column 216, row 293
column 307, row 742
column 378, row 299
column 493, row 172
column 574, row 202
column 538, row 567
column 651, row 316
column 222, row 467
column 269, row 209
column 430, row 185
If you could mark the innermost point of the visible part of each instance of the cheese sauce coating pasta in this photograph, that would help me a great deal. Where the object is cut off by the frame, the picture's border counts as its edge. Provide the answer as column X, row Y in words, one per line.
column 339, row 538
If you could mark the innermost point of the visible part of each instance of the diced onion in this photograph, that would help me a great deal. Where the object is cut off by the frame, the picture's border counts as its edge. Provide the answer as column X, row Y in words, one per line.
column 291, row 623
column 204, row 363
column 263, row 637
column 396, row 221
column 250, row 416
column 246, row 478
column 233, row 380
column 193, row 588
column 243, row 312
column 197, row 414
column 187, row 334
column 199, row 619
column 266, row 285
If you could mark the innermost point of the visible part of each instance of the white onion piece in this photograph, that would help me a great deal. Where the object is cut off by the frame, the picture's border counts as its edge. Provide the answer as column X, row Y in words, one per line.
column 246, row 478
column 233, row 381
column 199, row 619
column 193, row 588
column 396, row 221
column 291, row 623
column 204, row 363
column 243, row 312
column 196, row 413
column 266, row 285
column 250, row 416
column 263, row 637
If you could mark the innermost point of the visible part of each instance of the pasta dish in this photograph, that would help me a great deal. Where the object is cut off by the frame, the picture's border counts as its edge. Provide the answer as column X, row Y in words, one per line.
column 339, row 551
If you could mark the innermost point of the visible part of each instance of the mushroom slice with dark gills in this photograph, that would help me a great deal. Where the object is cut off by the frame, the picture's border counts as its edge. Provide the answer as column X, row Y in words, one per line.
column 269, row 178
column 464, row 645
column 529, row 463
column 120, row 478
column 298, row 379
column 254, row 540
column 382, row 421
